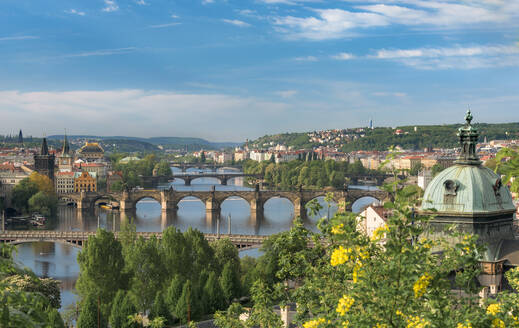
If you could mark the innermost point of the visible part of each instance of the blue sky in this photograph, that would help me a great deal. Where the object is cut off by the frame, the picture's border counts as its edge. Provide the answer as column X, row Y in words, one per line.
column 229, row 70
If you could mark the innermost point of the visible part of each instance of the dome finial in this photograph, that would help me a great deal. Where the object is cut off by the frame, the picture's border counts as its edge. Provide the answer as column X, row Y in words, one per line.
column 468, row 140
column 468, row 117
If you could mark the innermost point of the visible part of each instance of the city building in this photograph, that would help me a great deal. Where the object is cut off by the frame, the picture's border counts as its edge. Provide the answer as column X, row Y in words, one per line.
column 44, row 162
column 91, row 151
column 99, row 169
column 85, row 181
column 424, row 178
column 373, row 217
column 65, row 159
column 10, row 176
column 473, row 199
column 64, row 182
column 224, row 158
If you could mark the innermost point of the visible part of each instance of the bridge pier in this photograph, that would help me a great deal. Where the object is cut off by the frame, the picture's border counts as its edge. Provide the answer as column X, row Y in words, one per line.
column 299, row 208
column 187, row 181
column 256, row 207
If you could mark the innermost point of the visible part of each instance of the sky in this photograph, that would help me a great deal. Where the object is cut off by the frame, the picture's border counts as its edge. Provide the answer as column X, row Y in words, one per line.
column 227, row 70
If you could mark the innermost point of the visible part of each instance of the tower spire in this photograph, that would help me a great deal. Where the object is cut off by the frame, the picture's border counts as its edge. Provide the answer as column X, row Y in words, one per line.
column 66, row 147
column 468, row 140
column 44, row 147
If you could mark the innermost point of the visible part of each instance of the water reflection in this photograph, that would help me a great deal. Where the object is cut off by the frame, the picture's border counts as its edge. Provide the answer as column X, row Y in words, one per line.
column 54, row 260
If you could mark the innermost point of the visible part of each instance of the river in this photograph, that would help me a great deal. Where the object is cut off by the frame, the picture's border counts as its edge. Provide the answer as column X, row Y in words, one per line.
column 59, row 260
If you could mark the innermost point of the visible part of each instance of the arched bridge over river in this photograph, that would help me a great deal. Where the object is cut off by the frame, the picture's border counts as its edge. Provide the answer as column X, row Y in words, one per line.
column 169, row 199
column 222, row 177
column 78, row 238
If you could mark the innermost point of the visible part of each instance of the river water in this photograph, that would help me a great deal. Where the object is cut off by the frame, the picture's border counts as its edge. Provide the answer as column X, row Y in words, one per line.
column 59, row 260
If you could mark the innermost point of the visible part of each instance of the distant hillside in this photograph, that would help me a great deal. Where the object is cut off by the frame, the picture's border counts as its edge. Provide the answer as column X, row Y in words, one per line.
column 443, row 136
column 150, row 144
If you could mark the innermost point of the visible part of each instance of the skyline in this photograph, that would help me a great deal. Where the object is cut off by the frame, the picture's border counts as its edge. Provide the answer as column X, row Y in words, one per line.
column 231, row 70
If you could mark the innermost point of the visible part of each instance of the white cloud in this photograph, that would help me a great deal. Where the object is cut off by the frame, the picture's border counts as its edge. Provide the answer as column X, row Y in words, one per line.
column 205, row 2
column 18, row 37
column 236, row 22
column 343, row 56
column 110, row 6
column 286, row 93
column 164, row 25
column 174, row 16
column 75, row 12
column 331, row 24
column 141, row 3
column 468, row 57
column 139, row 113
column 446, row 14
column 306, row 58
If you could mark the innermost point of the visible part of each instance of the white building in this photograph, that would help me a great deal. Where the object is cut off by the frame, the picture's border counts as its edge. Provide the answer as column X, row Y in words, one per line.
column 371, row 218
column 64, row 182
column 424, row 177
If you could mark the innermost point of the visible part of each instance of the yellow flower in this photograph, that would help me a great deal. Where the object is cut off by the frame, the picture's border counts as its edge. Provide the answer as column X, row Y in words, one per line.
column 313, row 323
column 380, row 325
column 356, row 271
column 421, row 284
column 363, row 253
column 345, row 303
column 379, row 233
column 398, row 312
column 498, row 323
column 417, row 322
column 338, row 229
column 340, row 255
column 345, row 324
column 494, row 309
column 467, row 324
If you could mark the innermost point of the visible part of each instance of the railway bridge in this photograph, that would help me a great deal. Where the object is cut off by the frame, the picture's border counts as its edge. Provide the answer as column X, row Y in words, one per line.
column 79, row 238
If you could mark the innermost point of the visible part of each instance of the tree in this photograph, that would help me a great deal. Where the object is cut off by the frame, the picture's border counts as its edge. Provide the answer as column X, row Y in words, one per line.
column 163, row 168
column 202, row 157
column 43, row 203
column 184, row 307
column 148, row 272
column 159, row 309
column 90, row 313
column 173, row 294
column 213, row 294
column 101, row 266
column 225, row 252
column 230, row 282
column 22, row 192
column 43, row 182
column 435, row 169
column 122, row 307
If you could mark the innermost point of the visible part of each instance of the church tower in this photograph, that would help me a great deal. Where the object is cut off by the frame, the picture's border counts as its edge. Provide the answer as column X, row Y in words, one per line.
column 44, row 162
column 65, row 159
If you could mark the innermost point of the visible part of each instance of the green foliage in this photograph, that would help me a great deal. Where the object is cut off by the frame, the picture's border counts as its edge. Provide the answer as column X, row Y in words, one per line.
column 117, row 186
column 215, row 299
column 507, row 163
column 159, row 309
column 163, row 168
column 22, row 192
column 435, row 169
column 44, row 203
column 25, row 300
column 173, row 294
column 148, row 272
column 185, row 304
column 230, row 282
column 101, row 266
column 91, row 313
column 122, row 307
column 230, row 318
column 310, row 174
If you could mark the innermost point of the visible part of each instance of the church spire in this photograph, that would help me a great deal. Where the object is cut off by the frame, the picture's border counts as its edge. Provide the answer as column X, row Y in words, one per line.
column 66, row 147
column 44, row 147
column 468, row 140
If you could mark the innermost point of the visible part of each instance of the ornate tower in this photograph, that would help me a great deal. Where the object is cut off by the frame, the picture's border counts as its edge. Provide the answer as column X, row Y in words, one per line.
column 65, row 159
column 44, row 162
column 20, row 138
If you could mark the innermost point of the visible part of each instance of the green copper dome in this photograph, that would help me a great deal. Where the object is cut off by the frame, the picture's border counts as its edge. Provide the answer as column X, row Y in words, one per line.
column 467, row 191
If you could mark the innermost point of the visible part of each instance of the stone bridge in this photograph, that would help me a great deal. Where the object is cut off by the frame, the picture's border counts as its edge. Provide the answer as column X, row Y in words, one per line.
column 212, row 166
column 78, row 238
column 223, row 178
column 213, row 199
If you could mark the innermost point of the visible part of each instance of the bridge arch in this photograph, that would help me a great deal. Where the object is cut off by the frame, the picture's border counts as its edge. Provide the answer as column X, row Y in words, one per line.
column 221, row 180
column 358, row 203
column 67, row 200
column 74, row 243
